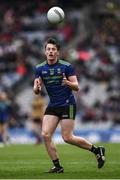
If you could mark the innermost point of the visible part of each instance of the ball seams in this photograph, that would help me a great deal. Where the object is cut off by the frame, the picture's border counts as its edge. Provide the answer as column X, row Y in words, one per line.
column 58, row 13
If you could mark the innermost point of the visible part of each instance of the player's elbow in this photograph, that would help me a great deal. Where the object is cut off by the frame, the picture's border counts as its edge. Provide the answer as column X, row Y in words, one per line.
column 76, row 88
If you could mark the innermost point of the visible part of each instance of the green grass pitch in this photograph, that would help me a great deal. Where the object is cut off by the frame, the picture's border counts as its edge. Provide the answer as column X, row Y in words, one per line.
column 31, row 161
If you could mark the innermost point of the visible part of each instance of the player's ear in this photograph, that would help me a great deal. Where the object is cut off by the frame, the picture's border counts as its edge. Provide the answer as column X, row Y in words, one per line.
column 45, row 53
column 58, row 53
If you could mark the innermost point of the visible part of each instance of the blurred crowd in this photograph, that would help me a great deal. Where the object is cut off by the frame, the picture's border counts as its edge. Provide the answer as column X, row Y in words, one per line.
column 90, row 39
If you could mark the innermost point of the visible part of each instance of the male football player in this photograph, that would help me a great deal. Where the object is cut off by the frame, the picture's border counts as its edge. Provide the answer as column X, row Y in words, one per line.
column 60, row 80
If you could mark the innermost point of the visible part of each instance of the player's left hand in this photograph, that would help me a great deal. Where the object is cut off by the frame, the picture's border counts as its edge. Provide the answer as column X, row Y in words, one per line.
column 64, row 81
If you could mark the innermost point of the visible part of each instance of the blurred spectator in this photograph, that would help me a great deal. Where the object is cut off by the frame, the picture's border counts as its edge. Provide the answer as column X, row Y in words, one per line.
column 5, row 114
column 38, row 107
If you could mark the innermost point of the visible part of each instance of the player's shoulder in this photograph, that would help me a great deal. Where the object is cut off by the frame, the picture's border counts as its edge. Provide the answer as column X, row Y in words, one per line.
column 41, row 64
column 63, row 62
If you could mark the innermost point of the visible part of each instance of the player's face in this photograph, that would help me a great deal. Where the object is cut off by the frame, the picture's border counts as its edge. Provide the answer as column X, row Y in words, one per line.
column 51, row 53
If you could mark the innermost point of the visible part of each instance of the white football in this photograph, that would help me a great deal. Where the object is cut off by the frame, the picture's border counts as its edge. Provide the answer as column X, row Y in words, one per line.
column 55, row 15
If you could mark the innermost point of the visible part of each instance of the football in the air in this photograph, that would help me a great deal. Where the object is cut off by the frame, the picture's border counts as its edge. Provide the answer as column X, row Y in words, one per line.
column 55, row 15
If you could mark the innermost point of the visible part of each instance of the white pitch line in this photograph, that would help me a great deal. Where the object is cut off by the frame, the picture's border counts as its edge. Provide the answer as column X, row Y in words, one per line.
column 70, row 163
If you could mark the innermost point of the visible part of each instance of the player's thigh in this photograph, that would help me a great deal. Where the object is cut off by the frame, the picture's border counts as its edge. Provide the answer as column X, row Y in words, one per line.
column 49, row 123
column 67, row 126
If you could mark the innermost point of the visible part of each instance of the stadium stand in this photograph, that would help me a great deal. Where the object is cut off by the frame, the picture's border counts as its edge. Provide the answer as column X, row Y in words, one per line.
column 91, row 42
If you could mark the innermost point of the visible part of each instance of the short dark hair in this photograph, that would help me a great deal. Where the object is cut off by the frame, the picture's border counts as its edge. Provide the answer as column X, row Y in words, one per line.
column 53, row 41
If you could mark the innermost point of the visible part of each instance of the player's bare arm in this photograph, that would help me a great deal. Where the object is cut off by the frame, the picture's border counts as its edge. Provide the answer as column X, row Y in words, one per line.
column 72, row 82
column 37, row 85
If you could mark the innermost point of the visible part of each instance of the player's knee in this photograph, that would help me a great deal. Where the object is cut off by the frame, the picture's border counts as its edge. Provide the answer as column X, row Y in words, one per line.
column 46, row 136
column 67, row 138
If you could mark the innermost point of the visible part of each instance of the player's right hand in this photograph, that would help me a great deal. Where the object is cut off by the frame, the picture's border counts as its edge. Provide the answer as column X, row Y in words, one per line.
column 37, row 85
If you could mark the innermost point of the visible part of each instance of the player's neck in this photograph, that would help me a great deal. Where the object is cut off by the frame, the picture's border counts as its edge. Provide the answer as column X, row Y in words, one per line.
column 52, row 61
